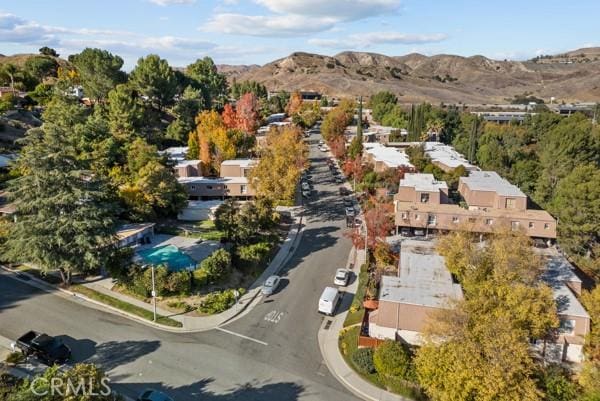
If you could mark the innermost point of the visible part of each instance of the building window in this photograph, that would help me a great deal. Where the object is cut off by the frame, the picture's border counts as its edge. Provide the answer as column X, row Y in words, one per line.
column 567, row 326
column 424, row 198
column 455, row 219
column 431, row 219
column 243, row 189
column 245, row 172
column 531, row 225
column 510, row 203
column 417, row 217
column 404, row 215
column 209, row 187
column 489, row 222
column 193, row 187
column 472, row 219
column 546, row 226
column 514, row 225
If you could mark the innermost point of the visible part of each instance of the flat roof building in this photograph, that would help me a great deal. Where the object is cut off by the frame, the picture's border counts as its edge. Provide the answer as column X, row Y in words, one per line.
column 446, row 157
column 383, row 157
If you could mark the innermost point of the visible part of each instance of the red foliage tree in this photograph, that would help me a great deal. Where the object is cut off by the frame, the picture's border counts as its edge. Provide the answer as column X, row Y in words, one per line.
column 378, row 217
column 247, row 113
column 338, row 147
column 229, row 117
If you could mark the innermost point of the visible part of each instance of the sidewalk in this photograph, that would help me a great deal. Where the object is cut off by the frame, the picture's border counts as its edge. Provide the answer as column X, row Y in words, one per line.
column 191, row 323
column 328, row 343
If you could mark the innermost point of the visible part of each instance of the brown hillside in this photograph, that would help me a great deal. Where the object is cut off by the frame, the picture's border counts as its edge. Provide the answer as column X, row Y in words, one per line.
column 415, row 77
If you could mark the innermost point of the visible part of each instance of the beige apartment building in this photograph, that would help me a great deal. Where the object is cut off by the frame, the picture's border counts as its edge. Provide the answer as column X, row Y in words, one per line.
column 422, row 205
column 233, row 182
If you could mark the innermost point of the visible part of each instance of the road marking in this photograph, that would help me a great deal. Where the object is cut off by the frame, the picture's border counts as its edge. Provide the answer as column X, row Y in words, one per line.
column 233, row 333
column 274, row 316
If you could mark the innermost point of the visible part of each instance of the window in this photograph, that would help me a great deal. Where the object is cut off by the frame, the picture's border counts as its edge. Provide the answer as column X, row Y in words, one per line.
column 489, row 222
column 510, row 203
column 193, row 187
column 567, row 326
column 424, row 198
column 472, row 219
column 243, row 189
column 404, row 215
column 245, row 172
column 455, row 219
column 531, row 225
column 514, row 225
column 417, row 217
column 209, row 187
column 431, row 219
column 546, row 226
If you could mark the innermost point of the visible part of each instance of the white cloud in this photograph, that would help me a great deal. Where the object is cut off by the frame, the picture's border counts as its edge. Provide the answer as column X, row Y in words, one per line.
column 341, row 10
column 171, row 2
column 259, row 25
column 293, row 17
column 365, row 40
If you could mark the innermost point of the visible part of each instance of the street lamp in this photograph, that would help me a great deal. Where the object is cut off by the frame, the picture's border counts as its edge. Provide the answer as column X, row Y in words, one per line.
column 153, row 290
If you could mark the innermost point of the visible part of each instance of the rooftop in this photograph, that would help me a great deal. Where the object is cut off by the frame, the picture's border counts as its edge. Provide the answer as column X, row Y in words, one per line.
column 240, row 162
column 492, row 182
column 558, row 273
column 184, row 163
column 210, row 180
column 422, row 182
column 446, row 155
column 423, row 278
column 175, row 153
column 390, row 156
column 128, row 230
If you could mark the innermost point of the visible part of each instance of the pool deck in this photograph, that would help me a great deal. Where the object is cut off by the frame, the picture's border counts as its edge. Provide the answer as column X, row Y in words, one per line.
column 195, row 250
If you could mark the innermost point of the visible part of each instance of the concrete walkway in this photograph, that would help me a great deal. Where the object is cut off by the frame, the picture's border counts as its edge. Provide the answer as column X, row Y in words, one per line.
column 328, row 343
column 192, row 323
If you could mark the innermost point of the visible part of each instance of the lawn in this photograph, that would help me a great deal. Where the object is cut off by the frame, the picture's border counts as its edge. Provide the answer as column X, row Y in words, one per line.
column 124, row 306
column 204, row 229
column 356, row 312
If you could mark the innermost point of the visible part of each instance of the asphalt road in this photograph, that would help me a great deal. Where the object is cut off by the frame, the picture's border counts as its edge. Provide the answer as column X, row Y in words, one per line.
column 270, row 354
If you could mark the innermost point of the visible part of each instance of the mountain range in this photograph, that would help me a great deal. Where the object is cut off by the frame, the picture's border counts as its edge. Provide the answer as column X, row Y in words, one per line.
column 571, row 77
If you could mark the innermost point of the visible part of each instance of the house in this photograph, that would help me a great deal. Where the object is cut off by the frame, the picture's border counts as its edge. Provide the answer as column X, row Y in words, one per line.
column 383, row 157
column 232, row 183
column 175, row 153
column 423, row 285
column 132, row 234
column 199, row 210
column 503, row 117
column 188, row 168
column 574, row 320
column 490, row 202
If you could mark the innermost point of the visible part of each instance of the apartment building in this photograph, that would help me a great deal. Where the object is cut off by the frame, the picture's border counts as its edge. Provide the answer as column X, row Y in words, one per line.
column 188, row 168
column 233, row 182
column 490, row 202
column 446, row 157
column 384, row 158
column 423, row 285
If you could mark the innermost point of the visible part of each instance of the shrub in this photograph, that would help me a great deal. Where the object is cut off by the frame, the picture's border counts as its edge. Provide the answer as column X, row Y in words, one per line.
column 140, row 280
column 179, row 283
column 200, row 277
column 119, row 264
column 362, row 359
column 14, row 358
column 219, row 301
column 217, row 265
column 392, row 360
column 251, row 256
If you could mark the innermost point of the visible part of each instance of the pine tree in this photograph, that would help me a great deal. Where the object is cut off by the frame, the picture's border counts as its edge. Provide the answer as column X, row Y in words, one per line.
column 65, row 217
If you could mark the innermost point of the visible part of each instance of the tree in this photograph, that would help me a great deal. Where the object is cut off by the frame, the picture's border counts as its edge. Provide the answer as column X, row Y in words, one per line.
column 193, row 148
column 154, row 78
column 229, row 117
column 381, row 104
column 247, row 113
column 295, row 104
column 205, row 76
column 217, row 265
column 48, row 51
column 99, row 71
column 356, row 148
column 277, row 173
column 238, row 89
column 41, row 67
column 576, row 205
column 226, row 218
column 392, row 360
column 124, row 113
column 215, row 145
column 42, row 94
column 65, row 216
column 11, row 73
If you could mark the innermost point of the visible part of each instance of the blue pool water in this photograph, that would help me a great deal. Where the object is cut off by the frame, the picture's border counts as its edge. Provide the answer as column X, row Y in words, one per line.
column 168, row 255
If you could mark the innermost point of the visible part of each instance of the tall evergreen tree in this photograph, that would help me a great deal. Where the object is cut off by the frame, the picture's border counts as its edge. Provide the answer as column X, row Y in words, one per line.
column 65, row 218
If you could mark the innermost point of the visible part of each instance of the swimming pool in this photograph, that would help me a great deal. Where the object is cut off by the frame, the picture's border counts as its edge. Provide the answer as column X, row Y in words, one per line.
column 168, row 255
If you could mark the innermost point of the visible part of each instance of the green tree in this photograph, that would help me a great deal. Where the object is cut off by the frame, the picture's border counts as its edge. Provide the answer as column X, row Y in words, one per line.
column 392, row 360
column 206, row 77
column 226, row 218
column 99, row 71
column 217, row 265
column 124, row 113
column 11, row 73
column 41, row 67
column 42, row 93
column 65, row 216
column 48, row 51
column 154, row 78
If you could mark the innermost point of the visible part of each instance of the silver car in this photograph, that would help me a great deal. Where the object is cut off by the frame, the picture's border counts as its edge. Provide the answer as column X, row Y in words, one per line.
column 270, row 285
column 341, row 277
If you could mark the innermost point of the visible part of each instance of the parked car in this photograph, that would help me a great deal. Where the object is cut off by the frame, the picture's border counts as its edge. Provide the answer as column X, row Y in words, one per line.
column 419, row 232
column 305, row 186
column 329, row 300
column 350, row 211
column 153, row 395
column 48, row 349
column 338, row 179
column 540, row 243
column 321, row 143
column 348, row 202
column 342, row 276
column 343, row 191
column 270, row 285
column 405, row 231
column 306, row 194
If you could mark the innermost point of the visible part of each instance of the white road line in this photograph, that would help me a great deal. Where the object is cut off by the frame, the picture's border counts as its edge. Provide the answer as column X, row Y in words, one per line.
column 242, row 336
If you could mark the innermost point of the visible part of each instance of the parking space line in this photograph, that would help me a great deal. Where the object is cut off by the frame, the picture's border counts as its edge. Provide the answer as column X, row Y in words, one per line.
column 233, row 333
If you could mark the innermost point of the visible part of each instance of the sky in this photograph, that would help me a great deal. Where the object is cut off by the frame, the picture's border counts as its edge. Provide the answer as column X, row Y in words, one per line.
column 260, row 31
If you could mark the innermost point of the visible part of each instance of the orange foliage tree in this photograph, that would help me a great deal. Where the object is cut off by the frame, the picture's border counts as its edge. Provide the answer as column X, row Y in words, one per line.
column 295, row 104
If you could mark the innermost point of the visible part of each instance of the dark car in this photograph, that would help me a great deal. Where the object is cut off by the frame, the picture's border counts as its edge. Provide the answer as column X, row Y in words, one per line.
column 343, row 191
column 153, row 395
column 48, row 349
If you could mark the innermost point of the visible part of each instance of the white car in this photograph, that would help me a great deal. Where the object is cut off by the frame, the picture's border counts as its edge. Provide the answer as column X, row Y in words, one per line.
column 342, row 276
column 305, row 186
column 350, row 211
column 270, row 285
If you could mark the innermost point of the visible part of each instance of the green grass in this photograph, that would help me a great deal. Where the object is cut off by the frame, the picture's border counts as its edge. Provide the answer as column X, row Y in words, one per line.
column 49, row 278
column 124, row 306
column 208, row 231
column 356, row 312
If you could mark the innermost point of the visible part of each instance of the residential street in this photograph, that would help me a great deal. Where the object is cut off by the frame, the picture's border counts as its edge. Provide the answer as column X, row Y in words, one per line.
column 270, row 354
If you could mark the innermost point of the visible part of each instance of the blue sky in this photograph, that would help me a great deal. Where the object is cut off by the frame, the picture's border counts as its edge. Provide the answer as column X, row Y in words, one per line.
column 259, row 31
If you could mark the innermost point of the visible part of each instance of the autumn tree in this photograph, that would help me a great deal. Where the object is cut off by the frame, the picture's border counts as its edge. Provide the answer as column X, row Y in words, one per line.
column 294, row 104
column 229, row 117
column 215, row 145
column 247, row 113
column 277, row 173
